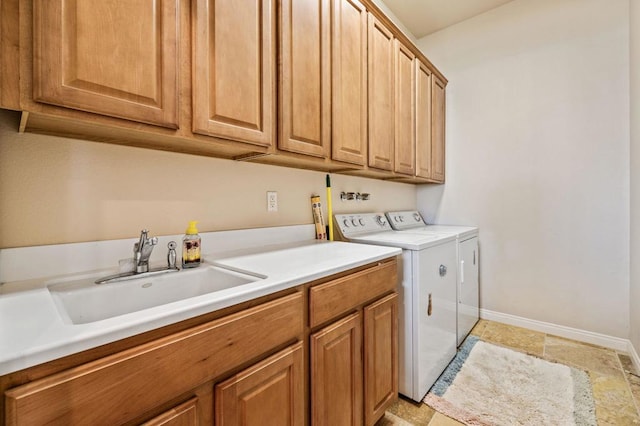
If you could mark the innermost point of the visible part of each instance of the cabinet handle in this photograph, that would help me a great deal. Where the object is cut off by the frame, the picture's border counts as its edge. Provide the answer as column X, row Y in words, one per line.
column 443, row 270
column 474, row 257
column 462, row 272
column 429, row 306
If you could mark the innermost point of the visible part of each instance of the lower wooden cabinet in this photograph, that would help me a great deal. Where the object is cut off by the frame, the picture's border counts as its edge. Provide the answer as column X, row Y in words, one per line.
column 336, row 373
column 380, row 357
column 246, row 365
column 185, row 414
column 270, row 393
column 354, row 360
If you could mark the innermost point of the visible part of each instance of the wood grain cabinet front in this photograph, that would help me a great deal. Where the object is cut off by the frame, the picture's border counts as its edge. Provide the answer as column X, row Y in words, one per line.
column 354, row 359
column 112, row 58
column 122, row 387
column 270, row 393
column 234, row 73
column 438, row 88
column 257, row 363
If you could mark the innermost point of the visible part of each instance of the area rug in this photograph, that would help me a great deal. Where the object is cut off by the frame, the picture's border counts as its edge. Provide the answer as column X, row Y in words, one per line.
column 490, row 385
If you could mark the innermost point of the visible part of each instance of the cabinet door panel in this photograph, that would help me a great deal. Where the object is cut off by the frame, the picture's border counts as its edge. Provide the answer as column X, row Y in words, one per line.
column 349, row 82
column 109, row 57
column 437, row 129
column 185, row 414
column 405, row 157
column 423, row 120
column 305, row 75
column 380, row 357
column 234, row 72
column 381, row 95
column 269, row 393
column 336, row 373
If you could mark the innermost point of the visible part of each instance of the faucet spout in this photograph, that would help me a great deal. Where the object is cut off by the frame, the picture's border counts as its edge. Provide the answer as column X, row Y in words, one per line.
column 142, row 251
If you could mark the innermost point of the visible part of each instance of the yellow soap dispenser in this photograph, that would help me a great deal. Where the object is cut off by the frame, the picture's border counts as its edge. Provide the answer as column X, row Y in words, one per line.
column 191, row 246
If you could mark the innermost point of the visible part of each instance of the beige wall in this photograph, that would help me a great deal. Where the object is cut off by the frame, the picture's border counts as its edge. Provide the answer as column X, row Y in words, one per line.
column 57, row 190
column 634, row 298
column 538, row 157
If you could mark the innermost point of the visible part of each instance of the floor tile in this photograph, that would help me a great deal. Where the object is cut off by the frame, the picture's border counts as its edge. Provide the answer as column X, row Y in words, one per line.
column 521, row 339
column 627, row 364
column 479, row 328
column 442, row 420
column 588, row 357
column 413, row 412
column 614, row 403
column 392, row 420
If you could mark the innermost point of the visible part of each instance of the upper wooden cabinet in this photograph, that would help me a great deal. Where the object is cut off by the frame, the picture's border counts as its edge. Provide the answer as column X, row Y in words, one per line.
column 438, row 88
column 381, row 95
column 324, row 85
column 349, row 81
column 405, row 142
column 305, row 77
column 234, row 70
column 113, row 58
column 423, row 120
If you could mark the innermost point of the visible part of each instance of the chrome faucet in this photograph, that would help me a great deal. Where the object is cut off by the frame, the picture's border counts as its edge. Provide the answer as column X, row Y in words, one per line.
column 142, row 251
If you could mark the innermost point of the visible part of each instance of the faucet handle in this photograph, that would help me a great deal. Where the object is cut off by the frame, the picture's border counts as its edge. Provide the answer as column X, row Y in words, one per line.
column 171, row 255
column 153, row 241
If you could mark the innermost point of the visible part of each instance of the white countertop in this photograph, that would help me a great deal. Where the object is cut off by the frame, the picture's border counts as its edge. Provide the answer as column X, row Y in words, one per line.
column 33, row 332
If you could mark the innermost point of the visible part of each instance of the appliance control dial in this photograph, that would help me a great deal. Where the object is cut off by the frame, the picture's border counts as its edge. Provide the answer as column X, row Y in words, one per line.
column 346, row 223
column 380, row 220
column 361, row 221
column 354, row 222
column 416, row 216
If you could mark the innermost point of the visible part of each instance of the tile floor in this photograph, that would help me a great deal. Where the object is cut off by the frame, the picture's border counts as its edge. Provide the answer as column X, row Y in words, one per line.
column 616, row 384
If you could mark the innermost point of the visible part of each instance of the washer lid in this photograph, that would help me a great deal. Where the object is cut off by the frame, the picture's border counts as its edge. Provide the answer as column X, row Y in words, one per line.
column 405, row 240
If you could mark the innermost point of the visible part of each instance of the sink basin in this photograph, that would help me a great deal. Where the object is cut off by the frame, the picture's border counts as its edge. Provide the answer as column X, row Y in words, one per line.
column 81, row 301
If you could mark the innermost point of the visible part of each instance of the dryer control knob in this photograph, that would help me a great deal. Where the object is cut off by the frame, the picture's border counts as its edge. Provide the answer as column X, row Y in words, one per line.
column 361, row 222
column 380, row 220
column 416, row 216
column 354, row 222
column 346, row 223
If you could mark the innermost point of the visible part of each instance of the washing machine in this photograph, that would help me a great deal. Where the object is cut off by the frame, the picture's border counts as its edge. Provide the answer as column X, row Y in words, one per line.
column 427, row 295
column 468, row 263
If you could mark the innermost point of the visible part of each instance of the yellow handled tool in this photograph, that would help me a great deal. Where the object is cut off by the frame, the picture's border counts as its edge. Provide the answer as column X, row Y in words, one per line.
column 329, row 209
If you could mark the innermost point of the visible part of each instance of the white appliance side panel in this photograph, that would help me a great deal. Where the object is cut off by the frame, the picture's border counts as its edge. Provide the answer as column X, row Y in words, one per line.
column 435, row 312
column 405, row 328
column 468, row 291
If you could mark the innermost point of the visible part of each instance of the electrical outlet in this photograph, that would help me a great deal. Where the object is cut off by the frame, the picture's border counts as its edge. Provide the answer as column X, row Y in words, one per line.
column 272, row 201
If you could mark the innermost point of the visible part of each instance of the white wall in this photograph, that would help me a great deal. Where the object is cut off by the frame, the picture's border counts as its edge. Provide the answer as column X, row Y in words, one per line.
column 538, row 157
column 57, row 190
column 634, row 296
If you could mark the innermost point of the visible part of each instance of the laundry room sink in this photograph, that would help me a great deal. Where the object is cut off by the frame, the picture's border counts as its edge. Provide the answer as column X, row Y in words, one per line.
column 81, row 301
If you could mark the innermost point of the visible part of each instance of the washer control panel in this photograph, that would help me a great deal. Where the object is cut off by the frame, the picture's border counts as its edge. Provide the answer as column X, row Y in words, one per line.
column 351, row 225
column 405, row 220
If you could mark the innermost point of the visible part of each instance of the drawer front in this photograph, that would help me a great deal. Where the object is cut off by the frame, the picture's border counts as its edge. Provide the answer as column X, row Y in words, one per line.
column 120, row 387
column 336, row 297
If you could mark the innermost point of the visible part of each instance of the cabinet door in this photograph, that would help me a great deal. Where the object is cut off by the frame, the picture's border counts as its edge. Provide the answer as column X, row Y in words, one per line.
column 185, row 414
column 108, row 57
column 336, row 373
column 349, row 82
column 234, row 70
column 423, row 120
column 405, row 154
column 268, row 393
column 305, row 73
column 381, row 95
column 380, row 357
column 437, row 128
column 468, row 296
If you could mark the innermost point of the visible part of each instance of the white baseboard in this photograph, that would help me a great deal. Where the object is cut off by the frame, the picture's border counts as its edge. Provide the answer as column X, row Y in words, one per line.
column 633, row 355
column 615, row 343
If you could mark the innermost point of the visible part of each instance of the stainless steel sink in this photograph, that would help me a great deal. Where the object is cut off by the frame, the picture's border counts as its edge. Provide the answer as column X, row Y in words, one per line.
column 81, row 301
